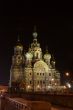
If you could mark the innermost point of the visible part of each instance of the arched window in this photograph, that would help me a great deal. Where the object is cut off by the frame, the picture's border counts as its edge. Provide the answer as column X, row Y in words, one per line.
column 37, row 73
column 30, row 82
column 38, row 82
column 49, row 74
column 43, row 82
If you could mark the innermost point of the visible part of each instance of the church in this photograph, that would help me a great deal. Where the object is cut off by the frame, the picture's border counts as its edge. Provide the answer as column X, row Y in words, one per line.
column 34, row 70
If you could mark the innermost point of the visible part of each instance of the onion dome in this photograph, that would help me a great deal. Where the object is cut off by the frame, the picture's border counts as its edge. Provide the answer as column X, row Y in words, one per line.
column 35, row 34
column 35, row 43
column 41, row 65
column 53, row 61
column 47, row 56
column 29, row 54
column 19, row 47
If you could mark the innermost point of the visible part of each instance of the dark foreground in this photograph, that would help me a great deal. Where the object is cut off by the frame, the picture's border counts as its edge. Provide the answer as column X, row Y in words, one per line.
column 29, row 101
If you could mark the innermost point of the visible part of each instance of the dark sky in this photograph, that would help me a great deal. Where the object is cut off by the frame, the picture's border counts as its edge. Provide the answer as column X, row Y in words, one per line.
column 54, row 27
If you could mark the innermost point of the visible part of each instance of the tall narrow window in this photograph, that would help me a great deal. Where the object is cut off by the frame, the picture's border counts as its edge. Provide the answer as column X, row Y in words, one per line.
column 43, row 82
column 43, row 74
column 49, row 74
column 37, row 73
column 30, row 82
column 49, row 82
column 38, row 82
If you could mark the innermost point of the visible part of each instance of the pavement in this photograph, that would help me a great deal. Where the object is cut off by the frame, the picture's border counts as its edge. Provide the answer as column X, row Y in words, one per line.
column 60, row 108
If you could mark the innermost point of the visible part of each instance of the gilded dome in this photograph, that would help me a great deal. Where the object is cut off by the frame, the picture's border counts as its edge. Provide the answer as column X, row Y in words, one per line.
column 29, row 55
column 18, row 46
column 41, row 65
column 47, row 56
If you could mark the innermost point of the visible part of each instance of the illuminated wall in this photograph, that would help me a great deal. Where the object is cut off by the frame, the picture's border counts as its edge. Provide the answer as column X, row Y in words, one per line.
column 36, row 69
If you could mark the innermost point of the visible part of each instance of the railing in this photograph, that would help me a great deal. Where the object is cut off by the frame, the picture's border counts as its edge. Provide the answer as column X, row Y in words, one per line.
column 21, row 104
column 11, row 104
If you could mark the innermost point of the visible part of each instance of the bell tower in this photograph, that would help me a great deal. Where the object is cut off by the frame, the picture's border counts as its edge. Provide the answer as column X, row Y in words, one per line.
column 16, row 71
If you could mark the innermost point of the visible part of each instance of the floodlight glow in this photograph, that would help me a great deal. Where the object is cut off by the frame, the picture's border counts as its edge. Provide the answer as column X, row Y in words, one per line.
column 52, row 79
column 28, row 86
column 64, row 87
column 69, row 85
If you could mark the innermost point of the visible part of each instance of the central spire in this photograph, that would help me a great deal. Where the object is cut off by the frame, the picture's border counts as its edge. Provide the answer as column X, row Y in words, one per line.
column 18, row 43
column 18, row 39
column 35, row 33
column 47, row 49
column 34, row 28
column 35, row 42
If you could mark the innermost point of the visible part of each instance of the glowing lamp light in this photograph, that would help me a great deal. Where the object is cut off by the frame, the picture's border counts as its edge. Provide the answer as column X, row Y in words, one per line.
column 68, row 85
column 49, row 87
column 52, row 79
column 1, row 95
column 67, row 74
column 28, row 87
column 55, row 84
column 38, row 86
column 64, row 87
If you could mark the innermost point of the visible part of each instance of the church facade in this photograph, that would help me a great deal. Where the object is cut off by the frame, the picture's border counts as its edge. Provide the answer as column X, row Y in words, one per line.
column 33, row 70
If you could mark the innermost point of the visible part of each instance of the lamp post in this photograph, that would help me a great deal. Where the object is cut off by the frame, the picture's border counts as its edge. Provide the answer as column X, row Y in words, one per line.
column 67, row 80
column 67, row 77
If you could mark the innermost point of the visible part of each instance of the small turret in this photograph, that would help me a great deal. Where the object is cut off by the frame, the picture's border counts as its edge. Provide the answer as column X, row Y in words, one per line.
column 16, row 71
column 18, row 48
column 47, row 57
column 53, row 61
column 35, row 43
column 35, row 34
column 28, row 57
column 35, row 47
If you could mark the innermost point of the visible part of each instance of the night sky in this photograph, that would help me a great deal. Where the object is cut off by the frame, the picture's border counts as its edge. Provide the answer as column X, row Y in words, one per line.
column 55, row 30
